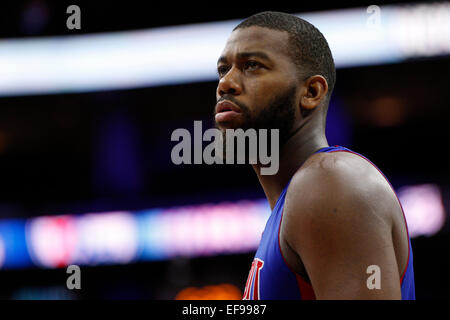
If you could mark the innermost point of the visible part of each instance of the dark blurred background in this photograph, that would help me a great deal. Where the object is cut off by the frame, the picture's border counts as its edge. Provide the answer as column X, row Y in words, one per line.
column 109, row 151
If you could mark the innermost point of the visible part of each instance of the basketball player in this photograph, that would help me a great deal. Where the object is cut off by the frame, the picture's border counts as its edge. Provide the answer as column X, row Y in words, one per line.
column 337, row 229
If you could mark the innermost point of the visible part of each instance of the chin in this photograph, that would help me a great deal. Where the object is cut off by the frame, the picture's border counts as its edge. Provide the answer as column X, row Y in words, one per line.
column 228, row 125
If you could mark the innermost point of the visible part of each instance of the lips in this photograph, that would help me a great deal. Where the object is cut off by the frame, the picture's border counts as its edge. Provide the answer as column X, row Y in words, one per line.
column 226, row 105
column 227, row 111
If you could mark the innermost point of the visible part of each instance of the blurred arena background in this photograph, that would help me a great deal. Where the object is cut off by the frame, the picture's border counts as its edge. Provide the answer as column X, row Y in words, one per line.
column 86, row 118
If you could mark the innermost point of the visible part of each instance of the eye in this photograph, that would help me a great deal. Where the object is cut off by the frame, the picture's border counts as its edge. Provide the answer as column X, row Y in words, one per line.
column 252, row 64
column 221, row 70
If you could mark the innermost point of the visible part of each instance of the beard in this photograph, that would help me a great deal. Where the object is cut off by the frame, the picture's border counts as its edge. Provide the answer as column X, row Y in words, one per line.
column 278, row 114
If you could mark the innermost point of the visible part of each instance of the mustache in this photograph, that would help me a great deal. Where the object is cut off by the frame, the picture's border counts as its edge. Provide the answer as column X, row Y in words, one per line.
column 232, row 99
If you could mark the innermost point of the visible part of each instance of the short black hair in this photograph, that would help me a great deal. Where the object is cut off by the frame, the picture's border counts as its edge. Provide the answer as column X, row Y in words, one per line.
column 307, row 45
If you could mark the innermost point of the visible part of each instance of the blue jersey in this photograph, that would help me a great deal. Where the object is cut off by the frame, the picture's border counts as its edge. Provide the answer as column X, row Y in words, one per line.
column 270, row 278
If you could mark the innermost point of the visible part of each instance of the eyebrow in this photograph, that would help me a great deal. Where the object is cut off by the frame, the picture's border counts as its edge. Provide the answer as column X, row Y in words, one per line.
column 244, row 55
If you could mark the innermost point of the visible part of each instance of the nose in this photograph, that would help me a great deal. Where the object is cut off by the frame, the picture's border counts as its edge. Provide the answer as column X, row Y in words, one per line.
column 229, row 84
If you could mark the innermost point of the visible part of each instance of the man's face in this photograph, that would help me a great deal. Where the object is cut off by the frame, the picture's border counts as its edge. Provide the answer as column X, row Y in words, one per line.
column 258, row 82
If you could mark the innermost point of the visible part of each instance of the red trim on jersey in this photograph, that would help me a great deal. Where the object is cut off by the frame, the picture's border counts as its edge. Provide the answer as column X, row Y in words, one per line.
column 249, row 282
column 305, row 288
column 401, row 207
column 258, row 266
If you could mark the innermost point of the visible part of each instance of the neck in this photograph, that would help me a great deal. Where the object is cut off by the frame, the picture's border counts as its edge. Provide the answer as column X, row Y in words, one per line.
column 297, row 149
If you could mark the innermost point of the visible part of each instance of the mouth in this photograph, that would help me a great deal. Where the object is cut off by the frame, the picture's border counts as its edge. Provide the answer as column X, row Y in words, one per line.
column 226, row 111
column 225, row 106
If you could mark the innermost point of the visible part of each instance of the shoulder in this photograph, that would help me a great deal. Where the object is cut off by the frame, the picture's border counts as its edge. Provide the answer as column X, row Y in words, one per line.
column 338, row 173
column 338, row 218
column 341, row 167
column 339, row 188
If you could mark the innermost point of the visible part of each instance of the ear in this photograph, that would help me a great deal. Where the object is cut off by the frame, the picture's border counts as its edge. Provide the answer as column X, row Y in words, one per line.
column 314, row 91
